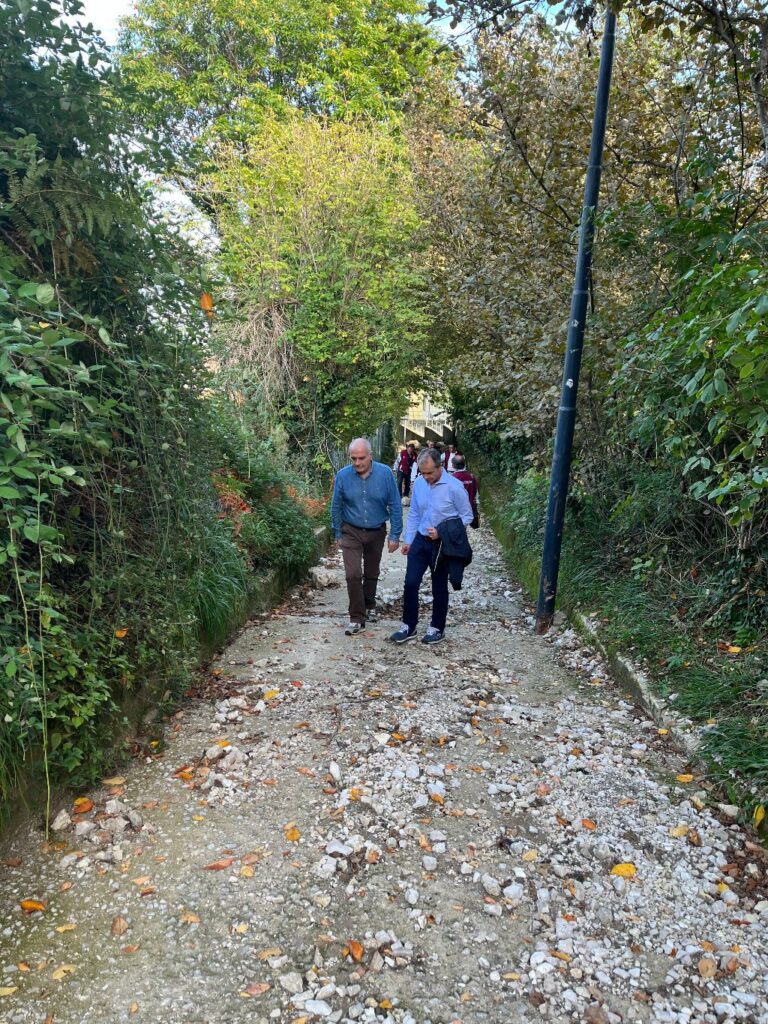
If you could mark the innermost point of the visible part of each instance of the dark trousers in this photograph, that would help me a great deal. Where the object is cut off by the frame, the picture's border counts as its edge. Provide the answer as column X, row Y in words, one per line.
column 361, row 550
column 422, row 556
column 403, row 483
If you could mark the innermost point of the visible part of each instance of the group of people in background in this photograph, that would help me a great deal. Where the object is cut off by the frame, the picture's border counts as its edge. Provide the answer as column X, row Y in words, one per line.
column 443, row 499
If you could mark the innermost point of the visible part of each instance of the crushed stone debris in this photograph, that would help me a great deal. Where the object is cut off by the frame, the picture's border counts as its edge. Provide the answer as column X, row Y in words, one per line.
column 339, row 829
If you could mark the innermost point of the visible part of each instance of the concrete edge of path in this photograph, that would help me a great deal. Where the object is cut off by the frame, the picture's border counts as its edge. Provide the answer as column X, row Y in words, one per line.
column 635, row 682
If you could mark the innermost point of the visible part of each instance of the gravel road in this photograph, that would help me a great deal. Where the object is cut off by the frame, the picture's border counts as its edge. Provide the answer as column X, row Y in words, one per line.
column 341, row 829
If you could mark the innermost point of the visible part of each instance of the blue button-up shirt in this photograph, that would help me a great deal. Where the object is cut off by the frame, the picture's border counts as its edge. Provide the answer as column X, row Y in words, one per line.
column 432, row 504
column 367, row 502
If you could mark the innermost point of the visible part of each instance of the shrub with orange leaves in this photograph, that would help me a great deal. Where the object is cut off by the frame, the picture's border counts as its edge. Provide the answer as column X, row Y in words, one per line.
column 233, row 505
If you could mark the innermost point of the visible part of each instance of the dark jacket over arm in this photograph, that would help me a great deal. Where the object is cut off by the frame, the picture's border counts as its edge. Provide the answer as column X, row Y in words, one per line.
column 455, row 548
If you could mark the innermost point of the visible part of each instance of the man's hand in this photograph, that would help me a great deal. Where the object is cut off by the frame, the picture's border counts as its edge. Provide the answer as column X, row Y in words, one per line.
column 405, row 548
column 432, row 533
column 392, row 546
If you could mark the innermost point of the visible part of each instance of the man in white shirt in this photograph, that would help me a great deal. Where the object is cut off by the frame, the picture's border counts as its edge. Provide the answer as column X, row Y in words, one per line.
column 436, row 497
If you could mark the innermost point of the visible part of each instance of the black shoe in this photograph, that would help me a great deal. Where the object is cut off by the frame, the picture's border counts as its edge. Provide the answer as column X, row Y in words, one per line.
column 354, row 627
column 372, row 615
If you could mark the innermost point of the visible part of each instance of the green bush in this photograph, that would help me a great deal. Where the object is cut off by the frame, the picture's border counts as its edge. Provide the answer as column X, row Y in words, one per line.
column 116, row 555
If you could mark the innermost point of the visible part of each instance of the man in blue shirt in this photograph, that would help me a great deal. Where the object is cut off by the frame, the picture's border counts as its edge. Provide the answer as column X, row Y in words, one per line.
column 364, row 498
column 435, row 497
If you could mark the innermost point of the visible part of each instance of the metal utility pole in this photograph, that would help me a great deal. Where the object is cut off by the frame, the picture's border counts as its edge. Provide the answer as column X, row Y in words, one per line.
column 566, row 418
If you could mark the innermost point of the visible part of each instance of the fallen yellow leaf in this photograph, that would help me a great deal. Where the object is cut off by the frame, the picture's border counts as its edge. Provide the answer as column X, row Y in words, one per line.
column 679, row 831
column 61, row 972
column 291, row 833
column 133, row 1008
column 242, row 928
column 142, row 880
column 624, row 870
column 121, row 633
column 189, row 918
column 437, row 798
column 530, row 855
column 246, row 871
column 66, row 928
column 8, row 990
column 511, row 976
column 265, row 954
column 83, row 804
column 684, row 778
column 357, row 950
column 116, row 780
column 663, row 732
column 758, row 816
column 271, row 694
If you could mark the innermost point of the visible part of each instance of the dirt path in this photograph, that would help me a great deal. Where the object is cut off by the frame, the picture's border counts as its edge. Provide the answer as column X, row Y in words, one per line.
column 353, row 831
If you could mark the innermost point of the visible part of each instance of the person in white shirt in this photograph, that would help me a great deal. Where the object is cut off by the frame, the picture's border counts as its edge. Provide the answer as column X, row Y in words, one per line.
column 436, row 497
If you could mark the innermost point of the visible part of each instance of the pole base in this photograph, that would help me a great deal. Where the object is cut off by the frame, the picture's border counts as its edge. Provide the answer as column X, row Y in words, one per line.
column 543, row 622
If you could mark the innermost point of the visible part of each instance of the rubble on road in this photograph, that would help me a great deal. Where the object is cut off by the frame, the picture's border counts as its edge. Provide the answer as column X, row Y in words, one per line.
column 351, row 831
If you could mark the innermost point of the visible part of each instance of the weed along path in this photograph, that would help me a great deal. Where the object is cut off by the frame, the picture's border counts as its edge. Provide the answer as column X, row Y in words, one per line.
column 344, row 830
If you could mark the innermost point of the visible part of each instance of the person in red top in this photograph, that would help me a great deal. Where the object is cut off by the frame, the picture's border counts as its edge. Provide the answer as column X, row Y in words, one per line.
column 403, row 465
column 461, row 473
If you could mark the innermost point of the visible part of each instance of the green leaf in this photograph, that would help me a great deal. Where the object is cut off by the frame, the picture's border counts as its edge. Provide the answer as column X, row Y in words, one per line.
column 45, row 294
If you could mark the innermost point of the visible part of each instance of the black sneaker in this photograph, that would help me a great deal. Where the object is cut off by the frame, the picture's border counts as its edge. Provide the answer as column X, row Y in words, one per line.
column 403, row 634
column 433, row 636
column 372, row 614
column 354, row 627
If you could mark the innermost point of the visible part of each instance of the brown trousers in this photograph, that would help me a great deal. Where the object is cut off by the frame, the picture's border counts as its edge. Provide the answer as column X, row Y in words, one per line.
column 361, row 550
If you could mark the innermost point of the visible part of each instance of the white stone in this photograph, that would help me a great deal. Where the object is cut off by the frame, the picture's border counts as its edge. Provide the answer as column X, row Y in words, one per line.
column 61, row 821
column 338, row 849
column 491, row 885
column 318, row 1006
column 326, row 867
column 291, row 982
column 514, row 892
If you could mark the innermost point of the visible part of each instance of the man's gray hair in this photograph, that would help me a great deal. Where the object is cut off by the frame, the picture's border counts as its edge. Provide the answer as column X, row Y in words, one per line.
column 360, row 440
column 430, row 453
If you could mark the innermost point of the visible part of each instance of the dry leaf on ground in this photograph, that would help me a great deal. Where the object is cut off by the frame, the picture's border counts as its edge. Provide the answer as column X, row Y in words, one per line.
column 33, row 906
column 624, row 870
column 219, row 865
